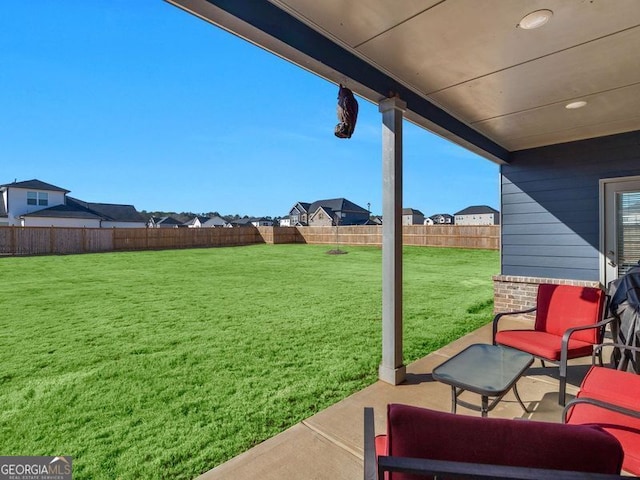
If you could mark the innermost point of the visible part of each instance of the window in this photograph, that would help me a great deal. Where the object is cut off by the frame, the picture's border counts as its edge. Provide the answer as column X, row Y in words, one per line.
column 38, row 198
column 628, row 204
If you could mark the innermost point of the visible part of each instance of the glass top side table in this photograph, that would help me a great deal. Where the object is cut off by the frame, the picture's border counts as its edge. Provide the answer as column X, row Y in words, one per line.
column 488, row 370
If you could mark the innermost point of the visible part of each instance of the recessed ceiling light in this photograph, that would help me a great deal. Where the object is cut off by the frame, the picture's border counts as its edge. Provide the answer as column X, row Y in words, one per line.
column 574, row 105
column 535, row 19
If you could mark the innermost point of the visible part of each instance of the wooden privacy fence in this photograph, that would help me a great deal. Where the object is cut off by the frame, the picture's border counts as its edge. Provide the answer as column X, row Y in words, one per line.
column 59, row 240
column 54, row 240
column 462, row 236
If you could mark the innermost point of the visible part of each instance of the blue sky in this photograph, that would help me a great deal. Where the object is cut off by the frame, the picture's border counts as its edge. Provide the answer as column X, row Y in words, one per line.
column 138, row 102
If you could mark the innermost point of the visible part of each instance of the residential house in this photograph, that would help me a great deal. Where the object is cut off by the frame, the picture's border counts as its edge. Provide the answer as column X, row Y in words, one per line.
column 285, row 222
column 323, row 216
column 298, row 215
column 441, row 219
column 205, row 222
column 262, row 222
column 215, row 221
column 33, row 203
column 477, row 215
column 164, row 222
column 196, row 222
column 335, row 211
column 411, row 216
column 250, row 222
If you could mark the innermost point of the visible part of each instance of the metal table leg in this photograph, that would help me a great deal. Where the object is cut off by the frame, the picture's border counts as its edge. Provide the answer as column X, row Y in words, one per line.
column 454, row 399
column 515, row 391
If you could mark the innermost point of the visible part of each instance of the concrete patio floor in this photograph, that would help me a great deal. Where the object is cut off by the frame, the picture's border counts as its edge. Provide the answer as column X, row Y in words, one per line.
column 329, row 445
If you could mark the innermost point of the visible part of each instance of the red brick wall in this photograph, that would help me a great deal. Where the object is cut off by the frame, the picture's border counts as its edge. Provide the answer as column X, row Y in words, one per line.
column 511, row 293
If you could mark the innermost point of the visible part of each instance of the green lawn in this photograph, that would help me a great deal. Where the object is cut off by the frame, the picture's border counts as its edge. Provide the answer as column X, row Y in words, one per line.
column 165, row 364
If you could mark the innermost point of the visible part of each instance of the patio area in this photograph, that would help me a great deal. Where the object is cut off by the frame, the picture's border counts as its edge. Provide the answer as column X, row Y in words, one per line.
column 329, row 445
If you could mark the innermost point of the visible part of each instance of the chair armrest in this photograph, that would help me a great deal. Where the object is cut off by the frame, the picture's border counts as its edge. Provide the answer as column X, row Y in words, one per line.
column 564, row 346
column 599, row 403
column 370, row 462
column 571, row 331
column 498, row 316
column 449, row 469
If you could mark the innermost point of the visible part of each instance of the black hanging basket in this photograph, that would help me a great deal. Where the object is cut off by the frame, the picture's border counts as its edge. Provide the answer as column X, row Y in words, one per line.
column 347, row 113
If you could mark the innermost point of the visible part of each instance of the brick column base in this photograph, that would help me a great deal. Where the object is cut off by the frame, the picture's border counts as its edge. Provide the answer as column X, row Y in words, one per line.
column 511, row 293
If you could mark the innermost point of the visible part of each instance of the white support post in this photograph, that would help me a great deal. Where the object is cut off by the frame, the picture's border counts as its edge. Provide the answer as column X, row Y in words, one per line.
column 392, row 370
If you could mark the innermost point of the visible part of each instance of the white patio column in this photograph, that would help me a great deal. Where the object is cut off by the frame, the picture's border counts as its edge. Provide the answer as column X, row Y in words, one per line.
column 392, row 369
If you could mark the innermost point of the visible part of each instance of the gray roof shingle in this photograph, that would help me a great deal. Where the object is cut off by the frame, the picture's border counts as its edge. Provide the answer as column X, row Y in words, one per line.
column 411, row 211
column 35, row 185
column 337, row 205
column 64, row 211
column 109, row 211
column 75, row 208
column 476, row 210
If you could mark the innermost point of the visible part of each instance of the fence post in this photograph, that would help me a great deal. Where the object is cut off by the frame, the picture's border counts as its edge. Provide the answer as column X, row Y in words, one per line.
column 13, row 240
column 51, row 240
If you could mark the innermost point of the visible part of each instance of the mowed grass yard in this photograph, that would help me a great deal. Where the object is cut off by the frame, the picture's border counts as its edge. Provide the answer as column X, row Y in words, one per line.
column 164, row 364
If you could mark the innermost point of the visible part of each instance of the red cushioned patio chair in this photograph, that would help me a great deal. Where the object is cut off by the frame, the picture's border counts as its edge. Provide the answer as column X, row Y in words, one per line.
column 610, row 398
column 568, row 323
column 422, row 443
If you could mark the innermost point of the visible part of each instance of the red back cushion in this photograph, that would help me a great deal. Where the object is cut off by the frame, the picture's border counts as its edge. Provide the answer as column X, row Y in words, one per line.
column 423, row 433
column 560, row 307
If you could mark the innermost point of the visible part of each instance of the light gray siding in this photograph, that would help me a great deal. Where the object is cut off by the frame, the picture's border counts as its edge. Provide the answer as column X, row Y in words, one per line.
column 550, row 205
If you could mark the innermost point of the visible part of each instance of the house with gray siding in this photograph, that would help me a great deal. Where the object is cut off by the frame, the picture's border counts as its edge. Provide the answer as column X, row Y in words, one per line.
column 554, row 208
column 299, row 213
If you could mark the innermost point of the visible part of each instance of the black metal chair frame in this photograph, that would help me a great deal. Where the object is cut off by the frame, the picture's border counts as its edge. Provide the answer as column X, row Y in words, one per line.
column 564, row 346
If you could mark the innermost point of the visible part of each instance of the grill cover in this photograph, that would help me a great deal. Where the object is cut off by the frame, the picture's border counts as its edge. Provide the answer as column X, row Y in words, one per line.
column 625, row 306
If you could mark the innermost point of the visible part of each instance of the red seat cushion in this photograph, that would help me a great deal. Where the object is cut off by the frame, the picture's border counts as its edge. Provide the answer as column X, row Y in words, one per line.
column 542, row 344
column 625, row 428
column 423, row 433
column 613, row 386
column 560, row 307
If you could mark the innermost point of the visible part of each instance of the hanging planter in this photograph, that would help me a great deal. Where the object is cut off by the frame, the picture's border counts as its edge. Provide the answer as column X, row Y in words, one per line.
column 347, row 113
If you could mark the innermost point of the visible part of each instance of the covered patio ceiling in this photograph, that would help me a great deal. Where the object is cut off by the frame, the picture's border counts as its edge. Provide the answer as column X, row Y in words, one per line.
column 465, row 68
